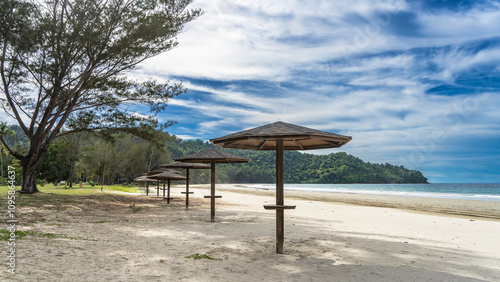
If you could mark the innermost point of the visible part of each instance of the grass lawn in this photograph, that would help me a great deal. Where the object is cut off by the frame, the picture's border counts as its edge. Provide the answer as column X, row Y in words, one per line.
column 60, row 194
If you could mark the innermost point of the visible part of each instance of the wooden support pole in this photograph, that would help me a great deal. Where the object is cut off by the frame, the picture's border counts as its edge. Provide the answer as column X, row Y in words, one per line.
column 168, row 191
column 280, row 220
column 147, row 188
column 158, row 188
column 187, row 188
column 212, row 192
column 164, row 190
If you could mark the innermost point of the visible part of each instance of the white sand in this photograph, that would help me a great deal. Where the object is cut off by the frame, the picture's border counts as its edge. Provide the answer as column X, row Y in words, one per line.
column 324, row 241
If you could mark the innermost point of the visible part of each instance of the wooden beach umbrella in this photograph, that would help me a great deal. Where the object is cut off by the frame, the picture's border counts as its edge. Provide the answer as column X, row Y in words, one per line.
column 280, row 136
column 186, row 166
column 167, row 175
column 158, row 171
column 212, row 157
column 144, row 178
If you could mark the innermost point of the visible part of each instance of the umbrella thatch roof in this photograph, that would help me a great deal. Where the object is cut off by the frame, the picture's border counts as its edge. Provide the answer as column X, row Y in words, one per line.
column 168, row 175
column 161, row 170
column 294, row 138
column 186, row 165
column 213, row 155
column 144, row 179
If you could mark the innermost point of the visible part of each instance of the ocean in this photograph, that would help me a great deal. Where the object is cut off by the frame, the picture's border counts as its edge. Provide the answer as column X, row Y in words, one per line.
column 466, row 191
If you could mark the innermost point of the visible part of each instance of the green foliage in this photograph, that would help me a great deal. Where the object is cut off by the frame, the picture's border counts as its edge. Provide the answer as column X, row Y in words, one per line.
column 5, row 234
column 126, row 158
column 202, row 256
column 55, row 167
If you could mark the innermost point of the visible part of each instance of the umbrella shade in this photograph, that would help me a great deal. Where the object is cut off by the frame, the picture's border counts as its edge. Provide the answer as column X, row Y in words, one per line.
column 186, row 166
column 212, row 156
column 161, row 170
column 294, row 138
column 144, row 179
column 281, row 136
column 168, row 175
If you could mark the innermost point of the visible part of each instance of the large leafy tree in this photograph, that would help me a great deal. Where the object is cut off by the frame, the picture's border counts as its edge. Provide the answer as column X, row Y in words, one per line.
column 63, row 65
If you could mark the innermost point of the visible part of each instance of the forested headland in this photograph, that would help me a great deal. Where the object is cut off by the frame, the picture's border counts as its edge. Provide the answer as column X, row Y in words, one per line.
column 84, row 155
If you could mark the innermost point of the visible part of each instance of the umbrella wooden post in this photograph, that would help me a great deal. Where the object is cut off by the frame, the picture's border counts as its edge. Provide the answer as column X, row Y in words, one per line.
column 157, row 188
column 163, row 189
column 168, row 192
column 187, row 188
column 280, row 220
column 147, row 188
column 212, row 192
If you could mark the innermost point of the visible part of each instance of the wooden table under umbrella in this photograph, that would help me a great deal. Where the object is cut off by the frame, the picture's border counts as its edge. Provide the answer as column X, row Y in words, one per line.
column 146, row 179
column 280, row 136
column 186, row 166
column 167, row 175
column 212, row 157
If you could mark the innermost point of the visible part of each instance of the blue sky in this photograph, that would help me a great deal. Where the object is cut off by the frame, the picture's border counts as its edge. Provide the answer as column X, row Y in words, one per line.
column 415, row 83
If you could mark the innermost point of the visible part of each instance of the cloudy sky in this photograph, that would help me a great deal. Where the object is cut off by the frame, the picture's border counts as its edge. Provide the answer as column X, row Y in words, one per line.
column 415, row 83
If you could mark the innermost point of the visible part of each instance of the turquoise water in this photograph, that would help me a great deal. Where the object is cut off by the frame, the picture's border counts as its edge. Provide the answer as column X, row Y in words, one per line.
column 467, row 191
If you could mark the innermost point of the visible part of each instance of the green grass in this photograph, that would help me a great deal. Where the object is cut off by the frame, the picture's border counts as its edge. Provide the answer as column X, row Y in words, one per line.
column 202, row 256
column 75, row 190
column 56, row 197
column 5, row 235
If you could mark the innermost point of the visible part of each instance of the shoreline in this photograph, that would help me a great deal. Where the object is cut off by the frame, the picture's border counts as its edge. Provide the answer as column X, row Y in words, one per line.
column 488, row 210
column 368, row 189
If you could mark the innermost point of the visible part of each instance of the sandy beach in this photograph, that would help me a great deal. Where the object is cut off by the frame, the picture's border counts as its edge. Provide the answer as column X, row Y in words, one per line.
column 328, row 237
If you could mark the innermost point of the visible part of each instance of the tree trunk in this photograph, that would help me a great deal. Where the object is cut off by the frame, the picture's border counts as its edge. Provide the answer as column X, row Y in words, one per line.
column 28, row 178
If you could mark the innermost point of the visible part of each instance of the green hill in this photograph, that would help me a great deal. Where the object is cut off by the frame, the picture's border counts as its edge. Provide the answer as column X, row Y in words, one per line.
column 299, row 167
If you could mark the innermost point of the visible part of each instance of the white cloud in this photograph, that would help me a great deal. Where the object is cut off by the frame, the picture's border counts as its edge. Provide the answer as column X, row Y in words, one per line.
column 338, row 66
column 262, row 39
column 187, row 137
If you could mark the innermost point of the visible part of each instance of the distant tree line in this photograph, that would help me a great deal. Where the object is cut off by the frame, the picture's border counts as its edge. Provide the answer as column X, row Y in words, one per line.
column 81, row 157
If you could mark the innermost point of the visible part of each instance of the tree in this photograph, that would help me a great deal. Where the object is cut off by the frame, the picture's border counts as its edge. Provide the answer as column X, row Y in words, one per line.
column 63, row 65
column 71, row 148
column 55, row 166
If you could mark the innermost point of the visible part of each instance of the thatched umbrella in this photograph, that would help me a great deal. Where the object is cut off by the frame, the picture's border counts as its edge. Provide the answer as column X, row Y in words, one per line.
column 281, row 136
column 144, row 178
column 212, row 157
column 186, row 166
column 161, row 170
column 158, row 171
column 167, row 175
